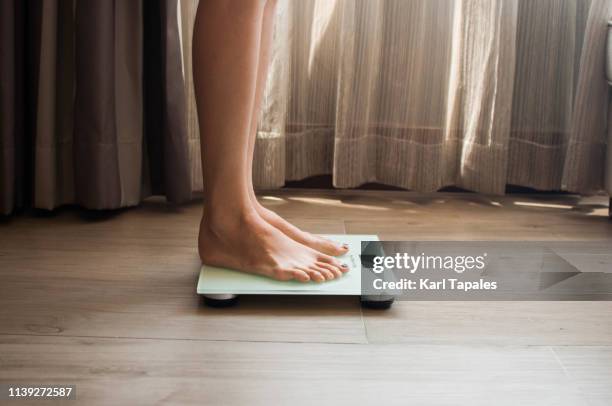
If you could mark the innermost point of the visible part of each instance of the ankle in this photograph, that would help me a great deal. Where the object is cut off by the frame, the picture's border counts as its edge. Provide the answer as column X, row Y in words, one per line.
column 223, row 221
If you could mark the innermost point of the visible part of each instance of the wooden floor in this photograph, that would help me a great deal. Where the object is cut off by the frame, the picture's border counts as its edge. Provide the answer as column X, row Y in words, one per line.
column 109, row 304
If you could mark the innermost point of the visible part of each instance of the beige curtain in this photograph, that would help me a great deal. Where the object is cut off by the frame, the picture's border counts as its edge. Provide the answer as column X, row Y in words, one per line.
column 423, row 94
column 413, row 93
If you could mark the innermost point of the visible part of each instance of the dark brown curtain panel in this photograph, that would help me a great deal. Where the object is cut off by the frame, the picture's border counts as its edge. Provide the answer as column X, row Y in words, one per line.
column 12, row 148
column 100, row 141
column 92, row 104
column 7, row 105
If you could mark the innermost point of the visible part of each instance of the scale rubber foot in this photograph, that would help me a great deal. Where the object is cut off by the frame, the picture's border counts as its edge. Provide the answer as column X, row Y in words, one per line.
column 377, row 303
column 220, row 300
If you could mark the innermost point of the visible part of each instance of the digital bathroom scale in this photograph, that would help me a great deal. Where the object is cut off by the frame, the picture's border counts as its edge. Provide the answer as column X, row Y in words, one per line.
column 221, row 287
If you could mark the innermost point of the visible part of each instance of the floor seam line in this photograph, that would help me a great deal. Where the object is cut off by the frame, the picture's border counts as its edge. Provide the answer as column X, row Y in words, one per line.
column 181, row 339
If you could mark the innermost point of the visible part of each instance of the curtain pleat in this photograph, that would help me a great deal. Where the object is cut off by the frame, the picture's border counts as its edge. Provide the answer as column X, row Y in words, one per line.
column 177, row 175
column 584, row 169
column 8, row 107
column 108, row 103
column 271, row 132
column 547, row 52
column 313, row 59
column 187, row 9
column 97, row 178
column 15, row 130
column 128, row 87
column 485, row 64
column 166, row 137
column 53, row 153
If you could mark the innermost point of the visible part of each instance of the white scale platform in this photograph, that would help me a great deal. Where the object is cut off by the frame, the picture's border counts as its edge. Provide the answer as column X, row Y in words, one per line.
column 221, row 287
column 218, row 281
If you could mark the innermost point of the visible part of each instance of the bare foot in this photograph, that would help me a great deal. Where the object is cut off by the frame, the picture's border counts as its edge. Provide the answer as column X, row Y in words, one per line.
column 310, row 240
column 250, row 244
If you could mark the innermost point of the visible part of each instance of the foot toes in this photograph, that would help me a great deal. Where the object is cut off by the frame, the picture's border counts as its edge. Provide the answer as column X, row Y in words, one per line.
column 344, row 248
column 328, row 259
column 337, row 272
column 287, row 274
column 330, row 247
column 315, row 275
column 329, row 275
column 300, row 275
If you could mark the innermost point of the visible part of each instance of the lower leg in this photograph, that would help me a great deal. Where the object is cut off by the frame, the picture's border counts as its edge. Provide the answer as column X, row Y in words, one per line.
column 232, row 234
column 318, row 243
column 225, row 77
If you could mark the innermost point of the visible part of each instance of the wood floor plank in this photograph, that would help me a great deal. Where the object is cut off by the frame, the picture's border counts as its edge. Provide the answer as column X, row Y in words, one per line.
column 492, row 323
column 137, row 280
column 420, row 229
column 149, row 372
column 591, row 369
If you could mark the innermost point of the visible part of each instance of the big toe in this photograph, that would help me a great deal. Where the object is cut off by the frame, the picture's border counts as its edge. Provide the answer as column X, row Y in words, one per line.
column 328, row 247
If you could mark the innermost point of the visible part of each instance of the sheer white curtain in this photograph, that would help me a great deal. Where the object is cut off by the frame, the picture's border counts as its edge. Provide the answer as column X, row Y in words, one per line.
column 423, row 94
column 427, row 93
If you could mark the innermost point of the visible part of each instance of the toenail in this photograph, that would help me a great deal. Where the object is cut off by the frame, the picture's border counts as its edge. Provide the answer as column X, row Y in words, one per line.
column 345, row 246
column 344, row 266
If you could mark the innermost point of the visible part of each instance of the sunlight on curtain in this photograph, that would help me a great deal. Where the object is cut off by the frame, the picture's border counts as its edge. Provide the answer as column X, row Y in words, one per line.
column 427, row 93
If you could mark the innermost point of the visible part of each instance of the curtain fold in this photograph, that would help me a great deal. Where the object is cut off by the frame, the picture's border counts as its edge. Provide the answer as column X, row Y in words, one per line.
column 168, row 152
column 187, row 10
column 271, row 133
column 12, row 107
column 585, row 161
column 548, row 57
column 96, row 141
column 53, row 151
column 7, row 105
